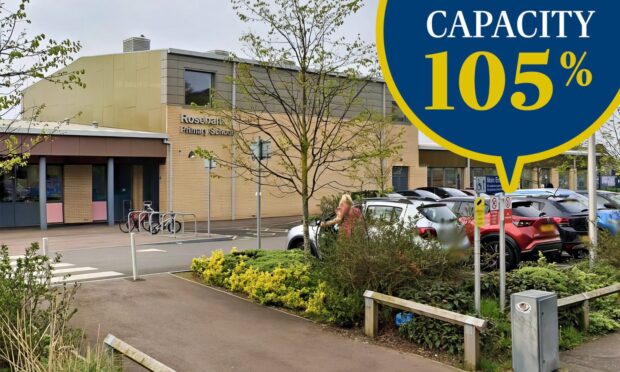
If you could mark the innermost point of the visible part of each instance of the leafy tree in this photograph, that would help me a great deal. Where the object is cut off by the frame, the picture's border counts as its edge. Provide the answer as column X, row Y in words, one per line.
column 301, row 91
column 381, row 149
column 24, row 58
column 609, row 137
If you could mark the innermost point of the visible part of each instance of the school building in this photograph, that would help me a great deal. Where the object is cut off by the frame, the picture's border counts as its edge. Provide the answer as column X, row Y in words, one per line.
column 126, row 137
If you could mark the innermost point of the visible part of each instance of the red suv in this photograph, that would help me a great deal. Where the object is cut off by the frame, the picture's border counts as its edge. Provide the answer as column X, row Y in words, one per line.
column 526, row 236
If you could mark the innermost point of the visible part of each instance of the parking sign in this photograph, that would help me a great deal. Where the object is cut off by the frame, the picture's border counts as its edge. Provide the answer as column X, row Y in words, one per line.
column 479, row 211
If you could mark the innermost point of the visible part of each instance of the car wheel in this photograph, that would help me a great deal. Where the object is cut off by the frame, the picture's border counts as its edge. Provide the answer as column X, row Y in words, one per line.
column 297, row 244
column 489, row 255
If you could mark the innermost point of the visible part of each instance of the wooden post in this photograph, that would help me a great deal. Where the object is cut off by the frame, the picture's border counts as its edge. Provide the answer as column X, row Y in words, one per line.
column 585, row 315
column 371, row 321
column 472, row 347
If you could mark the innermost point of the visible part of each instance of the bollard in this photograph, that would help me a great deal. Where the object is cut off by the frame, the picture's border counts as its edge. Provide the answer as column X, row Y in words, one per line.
column 134, row 265
column 535, row 339
column 44, row 246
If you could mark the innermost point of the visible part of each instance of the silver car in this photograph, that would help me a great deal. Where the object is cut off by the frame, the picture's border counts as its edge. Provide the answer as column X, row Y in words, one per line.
column 435, row 222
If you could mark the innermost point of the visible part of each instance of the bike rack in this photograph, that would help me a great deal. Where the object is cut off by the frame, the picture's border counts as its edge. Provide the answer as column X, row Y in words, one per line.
column 161, row 216
column 174, row 216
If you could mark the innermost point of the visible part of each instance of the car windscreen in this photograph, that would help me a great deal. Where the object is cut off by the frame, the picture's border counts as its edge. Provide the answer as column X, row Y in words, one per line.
column 573, row 205
column 437, row 213
column 455, row 192
column 525, row 209
column 426, row 194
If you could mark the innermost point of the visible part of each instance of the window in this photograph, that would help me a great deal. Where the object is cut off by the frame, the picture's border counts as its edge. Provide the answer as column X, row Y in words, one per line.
column 6, row 188
column 400, row 178
column 445, row 177
column 481, row 172
column 198, row 87
column 527, row 181
column 27, row 184
column 383, row 213
column 53, row 181
column 100, row 187
column 437, row 213
column 397, row 114
column 544, row 177
column 564, row 179
column 582, row 179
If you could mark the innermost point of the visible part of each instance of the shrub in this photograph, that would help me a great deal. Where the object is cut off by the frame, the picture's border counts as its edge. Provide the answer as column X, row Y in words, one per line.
column 570, row 338
column 608, row 249
column 34, row 319
column 332, row 306
column 381, row 257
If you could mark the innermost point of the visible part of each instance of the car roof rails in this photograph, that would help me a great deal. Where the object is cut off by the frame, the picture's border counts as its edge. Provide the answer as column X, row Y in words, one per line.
column 391, row 200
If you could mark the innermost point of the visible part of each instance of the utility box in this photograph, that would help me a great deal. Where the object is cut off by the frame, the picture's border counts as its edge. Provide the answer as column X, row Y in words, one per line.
column 535, row 334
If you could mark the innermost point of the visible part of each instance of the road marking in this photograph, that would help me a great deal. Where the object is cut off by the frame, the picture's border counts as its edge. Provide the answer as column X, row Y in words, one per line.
column 80, row 277
column 152, row 250
column 73, row 270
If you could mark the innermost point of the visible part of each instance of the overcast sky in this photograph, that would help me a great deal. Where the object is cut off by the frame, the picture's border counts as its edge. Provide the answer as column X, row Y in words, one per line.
column 198, row 25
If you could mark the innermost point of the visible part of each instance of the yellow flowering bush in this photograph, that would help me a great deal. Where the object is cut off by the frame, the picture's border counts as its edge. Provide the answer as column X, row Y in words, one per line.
column 211, row 269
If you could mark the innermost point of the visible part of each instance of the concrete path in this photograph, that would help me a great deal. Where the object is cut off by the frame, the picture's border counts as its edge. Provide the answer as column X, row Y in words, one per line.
column 602, row 355
column 190, row 327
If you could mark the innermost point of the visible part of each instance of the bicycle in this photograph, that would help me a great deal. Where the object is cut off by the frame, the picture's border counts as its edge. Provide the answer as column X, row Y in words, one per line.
column 135, row 220
column 167, row 224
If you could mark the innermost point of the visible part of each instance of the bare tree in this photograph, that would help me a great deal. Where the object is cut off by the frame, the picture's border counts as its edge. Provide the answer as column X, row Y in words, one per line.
column 24, row 58
column 302, row 92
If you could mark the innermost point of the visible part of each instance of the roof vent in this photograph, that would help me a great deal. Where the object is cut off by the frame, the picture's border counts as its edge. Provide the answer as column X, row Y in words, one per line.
column 220, row 52
column 136, row 44
column 95, row 124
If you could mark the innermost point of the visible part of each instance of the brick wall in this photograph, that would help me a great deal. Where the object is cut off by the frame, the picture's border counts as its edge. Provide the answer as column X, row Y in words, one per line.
column 78, row 193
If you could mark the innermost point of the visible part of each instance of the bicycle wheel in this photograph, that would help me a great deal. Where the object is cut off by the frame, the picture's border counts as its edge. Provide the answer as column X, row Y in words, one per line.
column 177, row 227
column 145, row 224
column 154, row 228
column 124, row 226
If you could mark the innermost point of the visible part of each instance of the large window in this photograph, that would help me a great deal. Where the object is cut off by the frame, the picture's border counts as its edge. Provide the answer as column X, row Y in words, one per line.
column 481, row 172
column 100, row 186
column 198, row 87
column 564, row 179
column 582, row 179
column 53, row 182
column 27, row 184
column 445, row 177
column 6, row 188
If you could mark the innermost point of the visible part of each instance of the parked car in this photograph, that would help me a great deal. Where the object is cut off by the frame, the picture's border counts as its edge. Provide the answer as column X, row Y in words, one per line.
column 420, row 194
column 444, row 192
column 569, row 214
column 526, row 236
column 607, row 219
column 432, row 220
column 608, row 199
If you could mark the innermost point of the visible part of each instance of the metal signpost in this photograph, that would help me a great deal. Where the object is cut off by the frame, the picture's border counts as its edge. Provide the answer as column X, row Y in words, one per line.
column 210, row 164
column 479, row 212
column 261, row 150
column 500, row 207
column 502, row 253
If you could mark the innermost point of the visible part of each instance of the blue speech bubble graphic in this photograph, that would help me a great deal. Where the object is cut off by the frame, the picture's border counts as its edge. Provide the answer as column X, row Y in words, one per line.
column 503, row 82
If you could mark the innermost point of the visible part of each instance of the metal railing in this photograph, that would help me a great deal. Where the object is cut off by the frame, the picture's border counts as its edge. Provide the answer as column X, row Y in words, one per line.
column 471, row 325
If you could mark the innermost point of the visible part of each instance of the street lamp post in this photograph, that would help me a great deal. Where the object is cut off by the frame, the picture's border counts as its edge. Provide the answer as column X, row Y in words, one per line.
column 592, row 205
column 261, row 150
column 210, row 164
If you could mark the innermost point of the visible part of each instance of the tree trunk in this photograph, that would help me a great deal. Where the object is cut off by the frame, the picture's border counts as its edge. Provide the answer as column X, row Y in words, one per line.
column 305, row 202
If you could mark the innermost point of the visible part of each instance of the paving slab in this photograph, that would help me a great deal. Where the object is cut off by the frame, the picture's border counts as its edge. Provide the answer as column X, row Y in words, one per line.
column 602, row 355
column 190, row 327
